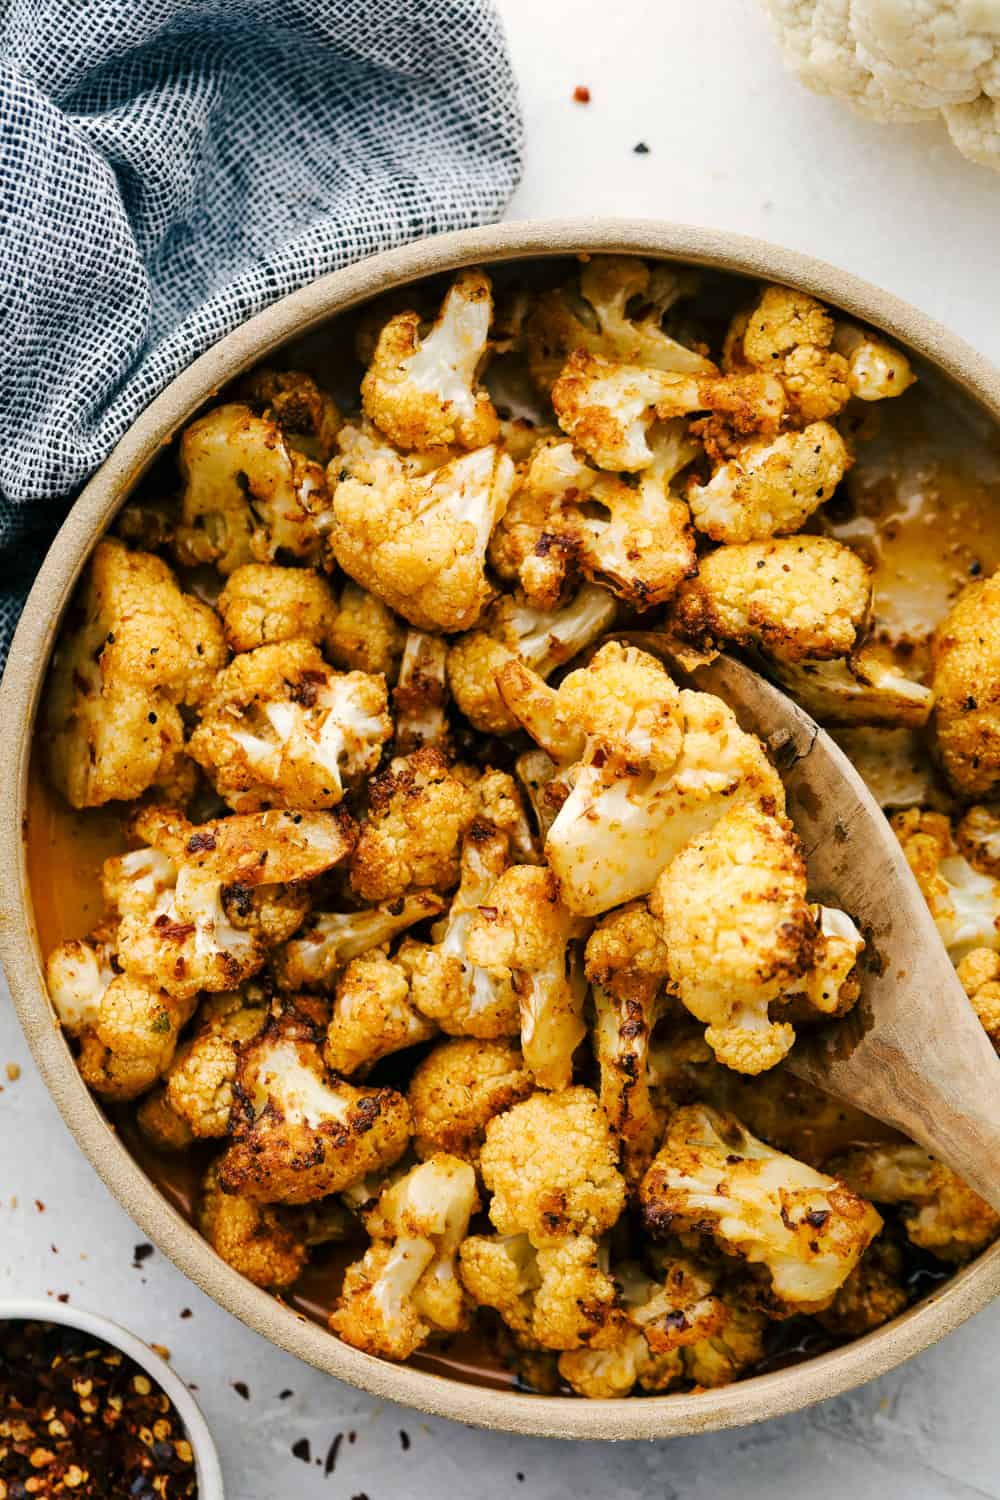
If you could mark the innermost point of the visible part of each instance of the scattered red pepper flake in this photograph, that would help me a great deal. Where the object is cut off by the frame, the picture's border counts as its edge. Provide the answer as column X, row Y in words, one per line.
column 404, row 1440
column 185, row 1312
column 331, row 1455
column 301, row 1449
column 140, row 1253
column 242, row 1389
column 581, row 94
column 284, row 1395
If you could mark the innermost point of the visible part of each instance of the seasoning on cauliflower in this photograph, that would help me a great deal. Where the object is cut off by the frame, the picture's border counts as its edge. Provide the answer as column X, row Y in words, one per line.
column 831, row 987
column 978, row 836
column 965, row 653
column 77, row 974
column 420, row 697
column 159, row 1125
column 201, row 906
column 307, row 415
column 458, row 1088
column 768, row 488
column 330, row 939
column 557, row 1296
column 297, row 1131
column 406, row 1287
column 142, row 650
column 803, row 597
column 876, row 371
column 521, row 937
column 365, row 635
column 131, row 1041
column 256, row 1239
column 627, row 966
column 790, row 334
column 866, row 687
column 199, row 1081
column 800, row 1232
column 418, row 539
column 939, row 1213
column 872, row 1294
column 372, row 1016
column 263, row 604
column 248, row 494
column 651, row 767
column 979, row 972
column 964, row 903
column 418, row 814
column 422, row 391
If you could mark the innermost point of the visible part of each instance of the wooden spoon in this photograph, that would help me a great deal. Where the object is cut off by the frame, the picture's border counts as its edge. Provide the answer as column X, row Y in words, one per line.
column 912, row 1052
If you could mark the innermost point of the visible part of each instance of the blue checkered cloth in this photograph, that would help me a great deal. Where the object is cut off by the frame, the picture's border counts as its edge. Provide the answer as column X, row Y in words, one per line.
column 170, row 167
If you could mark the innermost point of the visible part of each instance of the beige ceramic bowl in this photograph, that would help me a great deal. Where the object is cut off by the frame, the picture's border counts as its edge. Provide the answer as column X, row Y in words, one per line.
column 663, row 1416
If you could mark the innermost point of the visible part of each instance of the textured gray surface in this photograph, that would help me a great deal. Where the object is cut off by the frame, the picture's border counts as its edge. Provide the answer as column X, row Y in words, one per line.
column 731, row 143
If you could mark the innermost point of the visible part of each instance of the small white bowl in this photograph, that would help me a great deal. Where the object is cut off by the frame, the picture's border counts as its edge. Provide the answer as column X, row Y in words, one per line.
column 206, row 1459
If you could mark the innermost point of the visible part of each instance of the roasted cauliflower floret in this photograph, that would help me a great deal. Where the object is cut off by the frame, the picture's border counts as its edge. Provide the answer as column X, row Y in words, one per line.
column 256, row 1239
column 132, row 1039
column 459, row 1088
column 831, row 987
column 418, row 814
column 866, row 687
column 939, row 1213
column 873, row 1294
column 365, row 635
column 964, row 903
column 307, row 415
column 406, row 1286
column 978, row 836
column 512, row 629
column 521, row 938
column 201, row 906
column 627, row 965
column 282, row 729
column 159, row 1125
column 111, row 717
column 422, row 390
column 420, row 697
column 979, row 972
column 263, row 605
column 415, row 538
column 796, row 597
column 248, row 495
column 373, row 1015
column 768, row 488
column 199, row 1081
column 965, row 653
column 608, row 408
column 330, row 939
column 876, row 370
column 550, row 1163
column 297, row 1131
column 804, row 1231
column 790, row 334
column 77, row 974
column 560, row 1296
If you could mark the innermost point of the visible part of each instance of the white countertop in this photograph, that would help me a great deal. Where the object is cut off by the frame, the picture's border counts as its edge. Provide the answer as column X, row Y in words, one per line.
column 732, row 143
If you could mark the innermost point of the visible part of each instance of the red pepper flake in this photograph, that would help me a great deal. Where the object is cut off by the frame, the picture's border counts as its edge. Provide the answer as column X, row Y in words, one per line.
column 40, row 1205
column 581, row 94
column 302, row 1450
column 185, row 1312
column 242, row 1389
column 284, row 1395
column 404, row 1441
column 331, row 1455
column 140, row 1253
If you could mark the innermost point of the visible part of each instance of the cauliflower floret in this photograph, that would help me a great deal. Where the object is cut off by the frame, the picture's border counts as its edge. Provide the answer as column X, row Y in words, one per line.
column 330, row 939
column 418, row 814
column 111, row 721
column 873, row 1294
column 550, row 1163
column 797, row 597
column 770, row 487
column 964, row 903
column 199, row 1081
column 978, row 837
column 160, row 1126
column 77, row 975
column 805, row 1231
column 418, row 539
column 939, row 1213
column 966, row 658
column 297, row 1131
column 201, row 906
column 876, row 370
column 831, row 987
column 406, row 1286
column 459, row 1088
column 282, row 729
column 979, row 972
column 866, row 687
column 627, row 965
column 256, row 1239
column 248, row 495
column 544, row 787
column 616, row 308
column 790, row 334
column 365, row 635
column 263, row 604
column 307, row 415
column 513, row 629
column 422, row 391
column 560, row 1296
column 420, row 697
column 520, row 937
column 373, row 1015
column 651, row 768
column 608, row 408
column 132, row 1039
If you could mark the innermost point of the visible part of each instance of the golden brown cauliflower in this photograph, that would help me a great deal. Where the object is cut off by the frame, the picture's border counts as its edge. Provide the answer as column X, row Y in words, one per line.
column 978, row 837
column 418, row 814
column 111, row 721
column 937, row 1210
column 800, row 1231
column 964, row 902
column 458, row 1088
column 306, row 414
column 263, row 604
column 248, row 494
column 965, row 653
column 768, row 488
column 77, row 974
column 282, row 729
column 420, row 697
column 979, row 972
column 872, row 1294
column 406, row 1287
column 875, row 370
column 421, row 389
column 790, row 334
column 868, row 687
column 199, row 1081
column 297, row 1131
column 131, row 1041
column 256, row 1239
column 372, row 1016
column 330, row 939
column 159, row 1125
column 796, row 597
column 557, row 1296
column 365, row 635
column 414, row 537
column 521, row 937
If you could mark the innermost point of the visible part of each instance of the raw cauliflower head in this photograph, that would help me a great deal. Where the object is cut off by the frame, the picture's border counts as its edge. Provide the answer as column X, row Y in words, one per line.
column 804, row 1231
column 142, row 650
column 282, row 729
column 418, row 814
column 939, row 1213
column 459, row 1088
column 770, row 487
column 263, row 605
column 964, row 901
column 422, row 390
column 966, row 683
column 372, row 1016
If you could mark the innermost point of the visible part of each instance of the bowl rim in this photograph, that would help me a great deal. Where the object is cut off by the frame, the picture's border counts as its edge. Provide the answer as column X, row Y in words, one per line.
column 38, row 1309
column 760, row 1397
